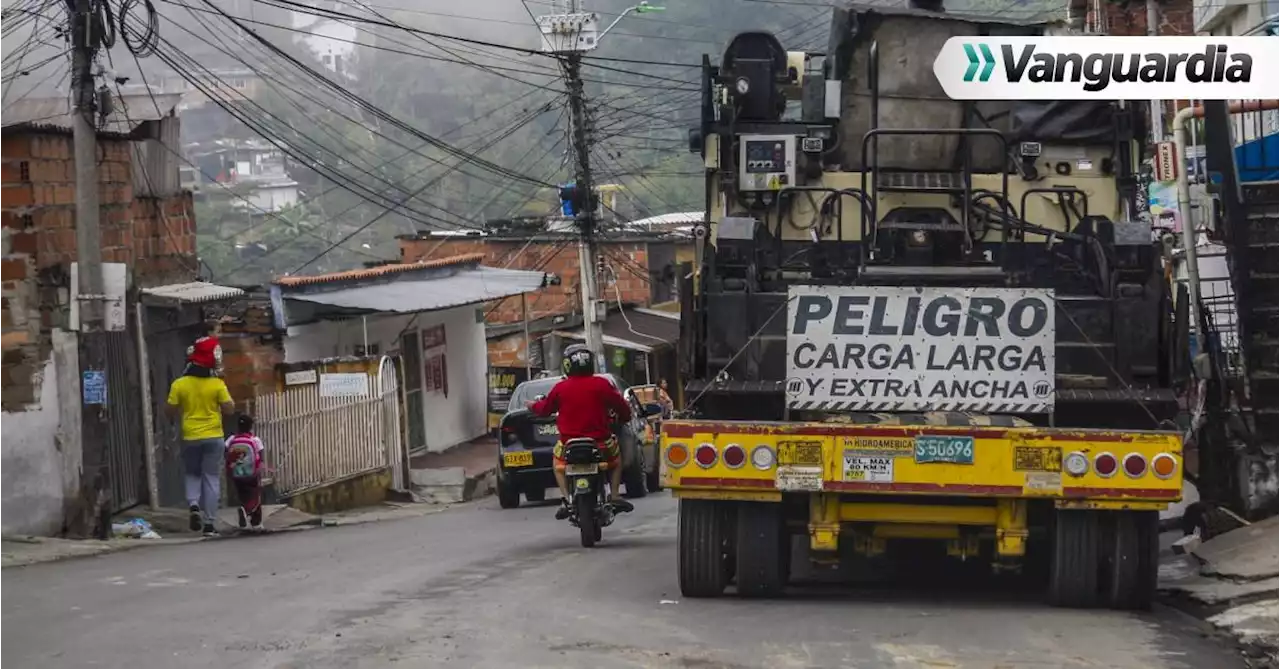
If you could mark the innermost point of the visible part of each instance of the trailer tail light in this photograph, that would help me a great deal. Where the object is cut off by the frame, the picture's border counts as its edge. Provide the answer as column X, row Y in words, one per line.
column 1076, row 463
column 762, row 458
column 677, row 455
column 734, row 456
column 1105, row 465
column 1135, row 465
column 1164, row 466
column 705, row 455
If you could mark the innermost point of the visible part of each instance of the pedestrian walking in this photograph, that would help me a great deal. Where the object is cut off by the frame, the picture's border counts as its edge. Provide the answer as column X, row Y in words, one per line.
column 244, row 470
column 201, row 398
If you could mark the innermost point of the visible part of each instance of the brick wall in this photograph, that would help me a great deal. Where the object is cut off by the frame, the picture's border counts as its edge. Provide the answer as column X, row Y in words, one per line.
column 37, row 216
column 628, row 260
column 1129, row 19
column 251, row 351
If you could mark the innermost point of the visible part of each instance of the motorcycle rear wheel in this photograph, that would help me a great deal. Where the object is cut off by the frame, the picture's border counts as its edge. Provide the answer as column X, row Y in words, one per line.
column 586, row 508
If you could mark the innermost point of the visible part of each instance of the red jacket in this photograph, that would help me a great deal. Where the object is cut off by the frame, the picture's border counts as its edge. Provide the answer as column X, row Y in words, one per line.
column 583, row 403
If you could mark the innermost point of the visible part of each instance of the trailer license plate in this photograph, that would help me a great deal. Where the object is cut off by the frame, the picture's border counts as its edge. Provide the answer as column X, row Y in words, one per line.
column 581, row 470
column 948, row 449
column 868, row 469
column 800, row 453
column 517, row 459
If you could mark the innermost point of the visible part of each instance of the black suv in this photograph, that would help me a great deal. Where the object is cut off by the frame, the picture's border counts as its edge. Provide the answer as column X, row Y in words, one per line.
column 526, row 441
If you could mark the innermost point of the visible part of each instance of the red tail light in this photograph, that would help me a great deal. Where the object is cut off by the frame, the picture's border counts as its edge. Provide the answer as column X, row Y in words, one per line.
column 1135, row 465
column 1105, row 465
column 734, row 456
column 705, row 455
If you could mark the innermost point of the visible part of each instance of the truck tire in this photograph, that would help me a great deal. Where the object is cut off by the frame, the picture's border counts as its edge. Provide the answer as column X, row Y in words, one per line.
column 759, row 543
column 701, row 548
column 1134, row 560
column 1073, row 574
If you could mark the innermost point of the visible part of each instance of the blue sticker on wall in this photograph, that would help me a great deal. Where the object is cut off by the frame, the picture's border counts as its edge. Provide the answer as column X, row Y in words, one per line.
column 94, row 387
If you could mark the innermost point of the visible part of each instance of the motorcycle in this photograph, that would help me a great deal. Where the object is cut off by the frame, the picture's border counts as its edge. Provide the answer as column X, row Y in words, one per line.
column 589, row 508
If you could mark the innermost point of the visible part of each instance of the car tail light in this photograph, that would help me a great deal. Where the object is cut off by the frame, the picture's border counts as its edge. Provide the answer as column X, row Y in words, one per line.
column 1105, row 465
column 1076, row 463
column 734, row 456
column 677, row 455
column 762, row 457
column 1164, row 465
column 1135, row 465
column 705, row 455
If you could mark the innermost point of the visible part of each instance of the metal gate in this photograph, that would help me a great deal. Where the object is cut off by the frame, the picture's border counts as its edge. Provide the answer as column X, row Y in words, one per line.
column 312, row 440
column 169, row 333
column 126, row 465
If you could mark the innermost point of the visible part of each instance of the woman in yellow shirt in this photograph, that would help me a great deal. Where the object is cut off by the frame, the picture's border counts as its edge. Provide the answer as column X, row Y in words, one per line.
column 201, row 398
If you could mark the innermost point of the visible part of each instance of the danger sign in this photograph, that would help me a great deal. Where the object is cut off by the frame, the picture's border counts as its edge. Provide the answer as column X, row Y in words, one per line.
column 920, row 349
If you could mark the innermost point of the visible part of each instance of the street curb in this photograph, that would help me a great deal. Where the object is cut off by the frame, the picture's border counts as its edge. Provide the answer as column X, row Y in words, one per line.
column 108, row 549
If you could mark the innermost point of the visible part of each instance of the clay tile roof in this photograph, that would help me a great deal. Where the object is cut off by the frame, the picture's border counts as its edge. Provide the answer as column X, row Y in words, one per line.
column 384, row 270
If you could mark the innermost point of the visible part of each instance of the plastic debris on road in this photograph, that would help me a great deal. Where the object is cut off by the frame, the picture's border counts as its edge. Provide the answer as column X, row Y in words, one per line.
column 134, row 528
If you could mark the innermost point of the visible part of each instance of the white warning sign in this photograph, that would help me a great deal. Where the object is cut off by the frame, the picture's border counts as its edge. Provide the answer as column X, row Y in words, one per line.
column 867, row 348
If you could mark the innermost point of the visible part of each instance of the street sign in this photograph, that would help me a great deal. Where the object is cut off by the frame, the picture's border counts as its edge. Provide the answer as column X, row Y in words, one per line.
column 94, row 387
column 1166, row 162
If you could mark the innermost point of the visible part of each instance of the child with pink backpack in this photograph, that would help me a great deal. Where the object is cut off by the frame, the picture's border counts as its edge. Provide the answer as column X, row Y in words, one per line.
column 244, row 470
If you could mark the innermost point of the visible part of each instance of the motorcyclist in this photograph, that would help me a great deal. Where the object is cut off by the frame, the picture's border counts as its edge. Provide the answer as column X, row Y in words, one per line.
column 583, row 402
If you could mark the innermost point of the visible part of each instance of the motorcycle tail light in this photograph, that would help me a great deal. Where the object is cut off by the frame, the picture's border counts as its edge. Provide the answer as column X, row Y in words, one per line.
column 705, row 455
column 734, row 456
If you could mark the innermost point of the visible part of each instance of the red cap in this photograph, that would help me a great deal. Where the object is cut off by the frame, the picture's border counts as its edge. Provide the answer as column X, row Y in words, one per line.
column 206, row 352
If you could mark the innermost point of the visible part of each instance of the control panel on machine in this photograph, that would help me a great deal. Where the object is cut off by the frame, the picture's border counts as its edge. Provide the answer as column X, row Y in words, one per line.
column 766, row 162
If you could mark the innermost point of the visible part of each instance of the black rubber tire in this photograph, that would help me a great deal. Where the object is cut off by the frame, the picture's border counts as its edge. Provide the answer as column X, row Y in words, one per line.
column 653, row 481
column 587, row 528
column 1134, row 561
column 536, row 494
column 633, row 481
column 700, row 548
column 759, row 541
column 508, row 497
column 1073, row 574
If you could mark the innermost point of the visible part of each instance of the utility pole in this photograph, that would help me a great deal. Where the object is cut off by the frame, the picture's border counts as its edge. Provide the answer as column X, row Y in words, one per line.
column 1157, row 106
column 571, row 33
column 85, row 36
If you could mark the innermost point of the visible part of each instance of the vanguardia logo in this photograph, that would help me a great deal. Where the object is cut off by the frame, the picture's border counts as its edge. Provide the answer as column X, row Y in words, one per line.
column 1098, row 70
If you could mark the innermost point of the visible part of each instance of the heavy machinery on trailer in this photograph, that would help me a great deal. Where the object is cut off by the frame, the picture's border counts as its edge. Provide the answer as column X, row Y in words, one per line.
column 914, row 318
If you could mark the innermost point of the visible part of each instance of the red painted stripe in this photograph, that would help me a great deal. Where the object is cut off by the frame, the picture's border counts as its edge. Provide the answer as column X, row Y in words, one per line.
column 1136, row 494
column 712, row 482
column 686, row 430
column 938, row 488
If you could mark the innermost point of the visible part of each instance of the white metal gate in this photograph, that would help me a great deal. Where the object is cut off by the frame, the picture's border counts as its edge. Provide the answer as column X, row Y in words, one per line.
column 313, row 441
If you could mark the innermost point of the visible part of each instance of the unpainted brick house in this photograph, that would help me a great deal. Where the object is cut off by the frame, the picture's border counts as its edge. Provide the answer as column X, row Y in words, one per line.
column 147, row 224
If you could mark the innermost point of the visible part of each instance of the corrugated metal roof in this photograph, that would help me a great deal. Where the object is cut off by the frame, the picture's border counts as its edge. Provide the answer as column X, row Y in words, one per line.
column 636, row 329
column 380, row 271
column 130, row 111
column 194, row 292
column 409, row 295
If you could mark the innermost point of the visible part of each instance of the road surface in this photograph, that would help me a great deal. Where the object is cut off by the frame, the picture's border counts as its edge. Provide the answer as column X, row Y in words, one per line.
column 475, row 586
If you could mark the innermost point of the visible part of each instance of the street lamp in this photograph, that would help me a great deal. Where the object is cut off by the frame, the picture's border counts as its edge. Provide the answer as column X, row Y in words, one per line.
column 643, row 8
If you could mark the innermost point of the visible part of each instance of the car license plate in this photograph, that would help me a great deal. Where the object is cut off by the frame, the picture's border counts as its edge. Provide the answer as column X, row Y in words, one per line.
column 800, row 453
column 581, row 470
column 955, row 450
column 517, row 459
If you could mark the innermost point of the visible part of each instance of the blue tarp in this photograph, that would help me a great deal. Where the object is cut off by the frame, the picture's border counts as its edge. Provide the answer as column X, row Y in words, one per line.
column 1259, row 160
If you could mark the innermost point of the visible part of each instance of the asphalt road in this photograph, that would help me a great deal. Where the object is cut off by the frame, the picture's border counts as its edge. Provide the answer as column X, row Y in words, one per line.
column 479, row 587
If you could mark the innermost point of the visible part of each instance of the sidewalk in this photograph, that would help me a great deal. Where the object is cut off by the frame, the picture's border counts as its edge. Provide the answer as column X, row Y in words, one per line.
column 1232, row 582
column 462, row 473
column 20, row 551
